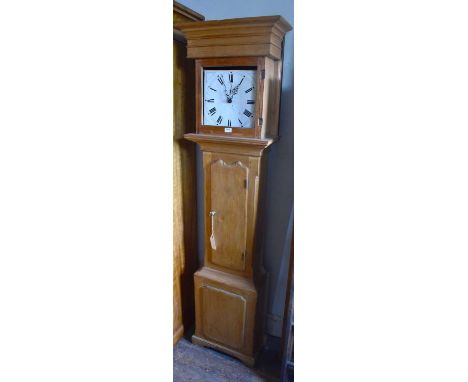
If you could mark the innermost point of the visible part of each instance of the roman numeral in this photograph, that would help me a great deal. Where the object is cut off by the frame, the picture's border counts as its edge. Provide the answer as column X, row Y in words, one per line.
column 250, row 102
column 249, row 90
column 229, row 123
column 240, row 122
column 220, row 79
column 211, row 100
column 231, row 77
column 219, row 120
column 247, row 113
column 212, row 111
column 212, row 88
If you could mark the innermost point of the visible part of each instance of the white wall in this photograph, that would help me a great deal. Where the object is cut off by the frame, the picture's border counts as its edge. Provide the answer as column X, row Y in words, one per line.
column 280, row 177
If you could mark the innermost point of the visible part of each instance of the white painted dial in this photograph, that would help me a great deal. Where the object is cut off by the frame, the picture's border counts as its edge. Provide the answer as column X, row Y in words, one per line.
column 229, row 97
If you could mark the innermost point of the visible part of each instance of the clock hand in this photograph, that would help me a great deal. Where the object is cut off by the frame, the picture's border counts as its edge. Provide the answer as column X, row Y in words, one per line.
column 236, row 88
column 221, row 81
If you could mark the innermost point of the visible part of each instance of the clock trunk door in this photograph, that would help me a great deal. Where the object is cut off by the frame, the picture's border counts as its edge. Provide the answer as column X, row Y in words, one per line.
column 227, row 213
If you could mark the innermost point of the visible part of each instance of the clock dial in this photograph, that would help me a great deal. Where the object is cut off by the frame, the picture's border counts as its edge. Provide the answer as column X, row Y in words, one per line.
column 229, row 97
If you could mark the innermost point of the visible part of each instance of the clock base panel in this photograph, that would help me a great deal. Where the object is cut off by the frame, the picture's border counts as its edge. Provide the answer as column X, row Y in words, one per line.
column 248, row 360
column 228, row 310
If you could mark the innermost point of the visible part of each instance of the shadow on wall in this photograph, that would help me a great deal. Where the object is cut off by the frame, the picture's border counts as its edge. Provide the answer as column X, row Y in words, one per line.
column 279, row 213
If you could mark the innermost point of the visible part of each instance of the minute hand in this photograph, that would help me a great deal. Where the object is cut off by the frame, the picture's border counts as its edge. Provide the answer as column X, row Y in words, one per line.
column 236, row 88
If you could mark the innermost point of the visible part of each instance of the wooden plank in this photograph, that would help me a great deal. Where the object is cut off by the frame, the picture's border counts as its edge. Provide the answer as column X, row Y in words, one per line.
column 250, row 36
column 228, row 205
column 181, row 13
column 184, row 182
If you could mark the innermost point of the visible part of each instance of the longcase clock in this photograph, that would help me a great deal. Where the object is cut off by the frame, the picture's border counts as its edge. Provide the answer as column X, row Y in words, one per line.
column 238, row 66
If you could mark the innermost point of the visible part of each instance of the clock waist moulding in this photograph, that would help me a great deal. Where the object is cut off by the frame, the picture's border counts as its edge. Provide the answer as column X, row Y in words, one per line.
column 238, row 67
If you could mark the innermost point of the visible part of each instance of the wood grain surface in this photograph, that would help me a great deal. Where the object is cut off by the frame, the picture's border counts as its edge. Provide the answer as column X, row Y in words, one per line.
column 231, row 287
column 184, row 183
column 249, row 36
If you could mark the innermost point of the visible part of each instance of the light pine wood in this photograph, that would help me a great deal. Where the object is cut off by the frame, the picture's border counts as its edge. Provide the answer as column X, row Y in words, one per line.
column 184, row 203
column 237, row 212
column 252, row 41
column 271, row 101
column 249, row 36
column 232, row 186
column 231, row 289
column 228, row 204
column 230, row 145
column 181, row 14
column 221, row 327
column 226, row 308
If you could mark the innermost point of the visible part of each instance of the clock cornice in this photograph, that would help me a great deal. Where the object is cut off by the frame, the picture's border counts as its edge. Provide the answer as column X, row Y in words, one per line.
column 249, row 36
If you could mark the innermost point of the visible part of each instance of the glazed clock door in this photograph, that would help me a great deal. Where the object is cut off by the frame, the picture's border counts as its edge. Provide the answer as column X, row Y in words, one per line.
column 227, row 213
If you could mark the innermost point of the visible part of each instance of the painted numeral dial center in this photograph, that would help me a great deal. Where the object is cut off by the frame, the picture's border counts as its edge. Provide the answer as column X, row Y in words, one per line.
column 229, row 97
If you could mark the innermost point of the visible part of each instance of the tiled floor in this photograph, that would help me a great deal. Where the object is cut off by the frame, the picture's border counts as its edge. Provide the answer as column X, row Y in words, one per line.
column 198, row 364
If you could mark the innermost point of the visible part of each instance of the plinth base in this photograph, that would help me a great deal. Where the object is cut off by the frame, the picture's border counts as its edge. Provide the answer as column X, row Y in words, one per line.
column 249, row 361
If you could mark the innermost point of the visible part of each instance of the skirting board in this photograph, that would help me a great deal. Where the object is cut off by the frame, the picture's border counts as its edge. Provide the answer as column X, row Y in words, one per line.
column 177, row 334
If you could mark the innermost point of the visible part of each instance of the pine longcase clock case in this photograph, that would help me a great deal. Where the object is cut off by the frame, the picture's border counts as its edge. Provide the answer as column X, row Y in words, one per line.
column 238, row 66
